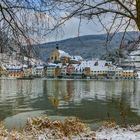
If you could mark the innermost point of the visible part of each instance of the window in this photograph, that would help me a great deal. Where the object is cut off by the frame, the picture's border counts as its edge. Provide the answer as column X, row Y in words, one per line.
column 106, row 64
column 55, row 57
column 96, row 63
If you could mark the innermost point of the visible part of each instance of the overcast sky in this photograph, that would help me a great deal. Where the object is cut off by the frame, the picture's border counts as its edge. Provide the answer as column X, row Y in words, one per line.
column 70, row 30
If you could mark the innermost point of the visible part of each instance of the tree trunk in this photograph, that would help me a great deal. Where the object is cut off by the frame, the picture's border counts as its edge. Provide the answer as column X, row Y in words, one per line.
column 138, row 14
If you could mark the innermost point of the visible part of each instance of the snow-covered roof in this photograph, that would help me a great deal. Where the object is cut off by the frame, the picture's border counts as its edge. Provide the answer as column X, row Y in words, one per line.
column 63, row 54
column 59, row 65
column 91, row 63
column 13, row 67
column 128, row 70
column 25, row 58
column 3, row 66
column 119, row 68
column 25, row 66
column 51, row 65
column 77, row 58
column 39, row 67
column 135, row 52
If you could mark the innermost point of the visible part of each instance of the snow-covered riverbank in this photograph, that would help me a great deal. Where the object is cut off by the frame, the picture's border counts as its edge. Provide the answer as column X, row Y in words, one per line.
column 116, row 133
column 70, row 129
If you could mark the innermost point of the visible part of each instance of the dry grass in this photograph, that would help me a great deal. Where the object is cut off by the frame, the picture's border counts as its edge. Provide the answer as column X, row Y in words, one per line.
column 111, row 123
column 44, row 128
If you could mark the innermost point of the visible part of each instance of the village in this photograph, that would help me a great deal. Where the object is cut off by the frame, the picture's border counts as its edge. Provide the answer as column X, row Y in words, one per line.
column 63, row 65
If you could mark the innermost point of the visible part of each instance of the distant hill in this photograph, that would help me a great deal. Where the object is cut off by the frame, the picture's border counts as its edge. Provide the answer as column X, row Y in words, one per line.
column 89, row 46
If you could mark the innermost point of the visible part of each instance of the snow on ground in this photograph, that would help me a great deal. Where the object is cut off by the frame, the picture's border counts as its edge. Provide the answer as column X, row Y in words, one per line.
column 131, row 133
column 42, row 128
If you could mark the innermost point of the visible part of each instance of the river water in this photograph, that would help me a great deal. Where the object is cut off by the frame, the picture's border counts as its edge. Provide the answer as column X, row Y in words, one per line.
column 91, row 101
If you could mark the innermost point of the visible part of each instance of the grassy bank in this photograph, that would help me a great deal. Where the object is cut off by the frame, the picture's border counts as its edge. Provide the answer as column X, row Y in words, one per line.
column 42, row 128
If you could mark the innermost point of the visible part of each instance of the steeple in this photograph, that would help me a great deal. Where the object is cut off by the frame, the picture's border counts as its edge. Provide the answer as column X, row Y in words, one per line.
column 57, row 46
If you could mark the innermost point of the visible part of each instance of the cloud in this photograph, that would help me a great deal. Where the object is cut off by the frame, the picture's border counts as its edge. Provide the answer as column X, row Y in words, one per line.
column 73, row 28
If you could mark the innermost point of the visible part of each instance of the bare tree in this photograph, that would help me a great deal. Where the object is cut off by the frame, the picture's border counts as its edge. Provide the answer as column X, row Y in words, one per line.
column 128, row 10
column 113, row 15
column 25, row 21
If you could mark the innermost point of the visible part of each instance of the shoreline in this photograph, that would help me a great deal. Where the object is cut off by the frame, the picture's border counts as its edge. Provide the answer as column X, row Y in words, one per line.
column 82, row 79
column 42, row 128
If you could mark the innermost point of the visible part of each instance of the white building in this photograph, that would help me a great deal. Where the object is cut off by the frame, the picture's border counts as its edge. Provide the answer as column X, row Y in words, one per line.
column 38, row 71
column 76, row 59
column 50, row 72
column 134, row 57
column 98, row 69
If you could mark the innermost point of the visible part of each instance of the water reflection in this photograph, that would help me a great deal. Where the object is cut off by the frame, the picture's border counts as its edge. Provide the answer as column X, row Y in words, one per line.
column 17, row 96
column 89, row 100
column 76, row 91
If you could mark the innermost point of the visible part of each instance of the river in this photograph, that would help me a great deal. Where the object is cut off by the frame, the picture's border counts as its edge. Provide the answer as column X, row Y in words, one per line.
column 91, row 101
